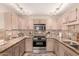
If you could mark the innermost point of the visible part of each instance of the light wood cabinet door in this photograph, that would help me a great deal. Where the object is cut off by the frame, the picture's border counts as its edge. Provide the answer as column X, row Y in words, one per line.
column 22, row 47
column 57, row 48
column 14, row 21
column 71, row 28
column 78, row 14
column 61, row 50
column 49, row 45
column 28, row 45
column 69, row 52
column 16, row 50
column 8, row 21
column 8, row 52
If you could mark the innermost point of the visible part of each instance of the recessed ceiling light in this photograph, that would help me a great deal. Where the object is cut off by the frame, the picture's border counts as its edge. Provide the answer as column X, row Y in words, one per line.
column 21, row 9
column 58, row 9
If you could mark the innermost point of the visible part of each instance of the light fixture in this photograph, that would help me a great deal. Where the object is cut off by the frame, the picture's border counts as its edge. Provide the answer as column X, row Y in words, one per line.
column 59, row 8
column 15, row 6
column 62, row 7
column 19, row 8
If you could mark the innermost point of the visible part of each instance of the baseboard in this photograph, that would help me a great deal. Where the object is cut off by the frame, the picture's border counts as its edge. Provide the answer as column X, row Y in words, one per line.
column 28, row 51
column 23, row 53
column 50, row 51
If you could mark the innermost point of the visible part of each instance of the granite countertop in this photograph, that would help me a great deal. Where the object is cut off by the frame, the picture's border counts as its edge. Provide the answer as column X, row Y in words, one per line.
column 68, row 46
column 10, row 43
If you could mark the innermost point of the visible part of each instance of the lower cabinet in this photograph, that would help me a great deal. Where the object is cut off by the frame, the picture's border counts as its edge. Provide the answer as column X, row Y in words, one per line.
column 22, row 47
column 16, row 50
column 49, row 44
column 8, row 52
column 28, row 45
column 56, row 47
column 62, row 50
column 66, row 53
column 69, row 52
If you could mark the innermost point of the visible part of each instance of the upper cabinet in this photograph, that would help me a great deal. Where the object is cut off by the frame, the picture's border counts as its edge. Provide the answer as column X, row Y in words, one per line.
column 2, row 21
column 24, row 23
column 70, row 17
column 39, row 21
column 11, row 20
column 77, row 14
column 14, row 21
column 73, row 15
column 8, row 20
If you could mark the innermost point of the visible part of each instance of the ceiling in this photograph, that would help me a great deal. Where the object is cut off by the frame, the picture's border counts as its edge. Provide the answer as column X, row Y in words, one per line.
column 40, row 8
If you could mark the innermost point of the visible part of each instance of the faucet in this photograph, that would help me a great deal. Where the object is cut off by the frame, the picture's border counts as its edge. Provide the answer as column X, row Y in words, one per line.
column 60, row 36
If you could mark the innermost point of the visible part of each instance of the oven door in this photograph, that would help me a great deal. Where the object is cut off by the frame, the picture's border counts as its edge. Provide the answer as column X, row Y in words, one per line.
column 39, row 43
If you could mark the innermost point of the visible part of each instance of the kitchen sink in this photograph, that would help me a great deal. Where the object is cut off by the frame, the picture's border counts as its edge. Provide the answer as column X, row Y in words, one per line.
column 73, row 44
column 69, row 42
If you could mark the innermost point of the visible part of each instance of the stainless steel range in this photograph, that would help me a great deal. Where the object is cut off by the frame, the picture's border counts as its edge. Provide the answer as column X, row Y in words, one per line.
column 39, row 41
column 39, row 44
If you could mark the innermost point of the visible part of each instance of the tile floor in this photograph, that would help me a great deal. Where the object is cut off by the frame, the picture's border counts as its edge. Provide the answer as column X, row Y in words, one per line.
column 39, row 52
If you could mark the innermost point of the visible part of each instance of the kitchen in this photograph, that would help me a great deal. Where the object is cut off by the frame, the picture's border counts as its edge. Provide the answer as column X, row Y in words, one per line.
column 39, row 29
